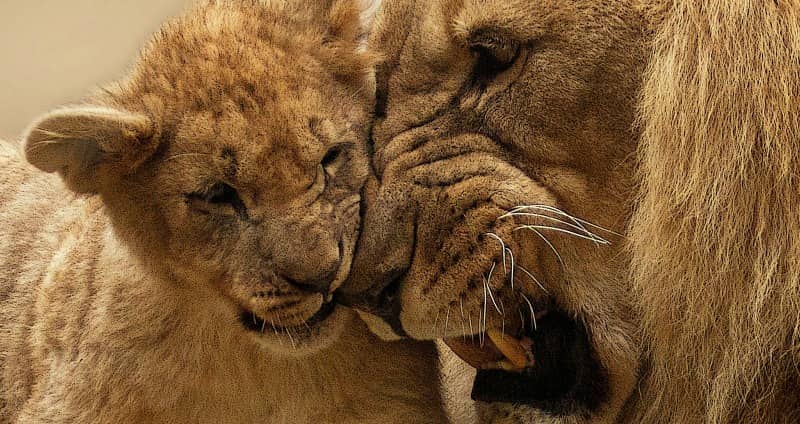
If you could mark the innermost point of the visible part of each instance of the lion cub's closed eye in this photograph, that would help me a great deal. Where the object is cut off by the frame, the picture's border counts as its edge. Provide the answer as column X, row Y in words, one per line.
column 183, row 266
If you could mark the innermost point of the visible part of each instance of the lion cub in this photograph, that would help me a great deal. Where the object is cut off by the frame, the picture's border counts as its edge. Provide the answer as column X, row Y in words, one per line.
column 182, row 268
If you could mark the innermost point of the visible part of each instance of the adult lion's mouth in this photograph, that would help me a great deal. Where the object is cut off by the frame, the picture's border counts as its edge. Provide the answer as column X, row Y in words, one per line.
column 548, row 363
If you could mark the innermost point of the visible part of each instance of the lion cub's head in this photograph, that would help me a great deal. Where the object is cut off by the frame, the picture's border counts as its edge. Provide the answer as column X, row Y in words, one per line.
column 232, row 157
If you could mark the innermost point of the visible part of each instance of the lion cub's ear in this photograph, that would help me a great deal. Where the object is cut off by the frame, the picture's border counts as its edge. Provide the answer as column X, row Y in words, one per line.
column 85, row 143
column 342, row 20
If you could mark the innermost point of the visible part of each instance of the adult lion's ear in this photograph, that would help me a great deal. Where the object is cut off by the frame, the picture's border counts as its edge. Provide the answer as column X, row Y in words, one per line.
column 85, row 143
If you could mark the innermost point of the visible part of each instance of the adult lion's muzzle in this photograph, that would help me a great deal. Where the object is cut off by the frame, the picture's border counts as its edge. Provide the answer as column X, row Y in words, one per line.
column 432, row 234
column 383, row 255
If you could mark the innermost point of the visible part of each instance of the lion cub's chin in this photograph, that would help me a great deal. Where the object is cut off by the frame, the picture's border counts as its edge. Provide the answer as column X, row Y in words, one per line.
column 317, row 333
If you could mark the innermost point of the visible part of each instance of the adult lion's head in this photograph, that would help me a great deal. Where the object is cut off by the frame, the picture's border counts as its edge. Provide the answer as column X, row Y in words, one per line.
column 523, row 202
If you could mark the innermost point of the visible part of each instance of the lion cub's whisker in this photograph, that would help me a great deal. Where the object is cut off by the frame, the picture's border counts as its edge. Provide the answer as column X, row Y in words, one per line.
column 291, row 339
column 183, row 155
column 446, row 319
column 461, row 308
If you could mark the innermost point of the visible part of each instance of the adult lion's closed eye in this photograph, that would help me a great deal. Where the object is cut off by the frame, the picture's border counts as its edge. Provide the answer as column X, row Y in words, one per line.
column 518, row 193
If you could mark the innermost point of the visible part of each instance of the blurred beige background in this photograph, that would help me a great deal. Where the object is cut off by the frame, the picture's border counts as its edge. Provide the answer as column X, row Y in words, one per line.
column 55, row 51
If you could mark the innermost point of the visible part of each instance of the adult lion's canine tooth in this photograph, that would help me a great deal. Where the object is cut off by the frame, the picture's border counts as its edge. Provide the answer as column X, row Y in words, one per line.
column 509, row 347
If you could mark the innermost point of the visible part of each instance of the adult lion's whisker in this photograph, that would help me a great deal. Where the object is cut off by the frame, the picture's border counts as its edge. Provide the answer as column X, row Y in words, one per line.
column 535, row 280
column 489, row 288
column 485, row 304
column 511, row 255
column 555, row 210
column 561, row 230
column 593, row 236
column 502, row 246
column 503, row 316
column 530, row 305
column 471, row 329
column 576, row 220
column 553, row 248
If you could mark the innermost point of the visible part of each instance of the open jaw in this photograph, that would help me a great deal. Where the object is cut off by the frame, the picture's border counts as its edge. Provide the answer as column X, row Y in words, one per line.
column 546, row 363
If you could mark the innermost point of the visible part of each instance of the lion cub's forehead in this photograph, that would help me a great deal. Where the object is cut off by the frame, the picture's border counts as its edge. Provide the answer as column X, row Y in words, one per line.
column 243, row 83
column 274, row 156
column 244, row 53
column 223, row 52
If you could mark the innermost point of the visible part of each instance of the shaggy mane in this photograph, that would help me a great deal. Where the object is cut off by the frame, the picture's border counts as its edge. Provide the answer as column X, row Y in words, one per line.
column 716, row 238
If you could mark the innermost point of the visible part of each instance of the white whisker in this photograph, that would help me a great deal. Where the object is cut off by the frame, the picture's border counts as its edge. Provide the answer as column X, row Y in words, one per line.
column 471, row 329
column 446, row 320
column 289, row 332
column 489, row 289
column 574, row 219
column 183, row 155
column 461, row 308
column 275, row 330
column 592, row 236
column 553, row 248
column 502, row 246
column 503, row 317
column 561, row 230
column 511, row 255
column 535, row 280
column 530, row 305
column 485, row 304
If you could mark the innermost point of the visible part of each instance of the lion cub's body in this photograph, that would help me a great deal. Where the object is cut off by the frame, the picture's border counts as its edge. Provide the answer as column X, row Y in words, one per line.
column 116, row 304
column 88, row 335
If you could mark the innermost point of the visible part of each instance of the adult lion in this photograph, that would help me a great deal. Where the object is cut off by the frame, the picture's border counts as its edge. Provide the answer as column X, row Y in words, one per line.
column 601, row 194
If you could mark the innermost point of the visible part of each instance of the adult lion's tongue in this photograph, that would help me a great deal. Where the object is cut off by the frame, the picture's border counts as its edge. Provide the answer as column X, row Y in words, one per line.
column 497, row 350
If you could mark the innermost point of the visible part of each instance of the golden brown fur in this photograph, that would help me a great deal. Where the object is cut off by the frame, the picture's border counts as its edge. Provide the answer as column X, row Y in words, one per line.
column 716, row 236
column 207, row 207
column 674, row 124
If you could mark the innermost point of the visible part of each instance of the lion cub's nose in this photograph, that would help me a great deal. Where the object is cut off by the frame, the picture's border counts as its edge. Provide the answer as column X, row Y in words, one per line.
column 315, row 271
